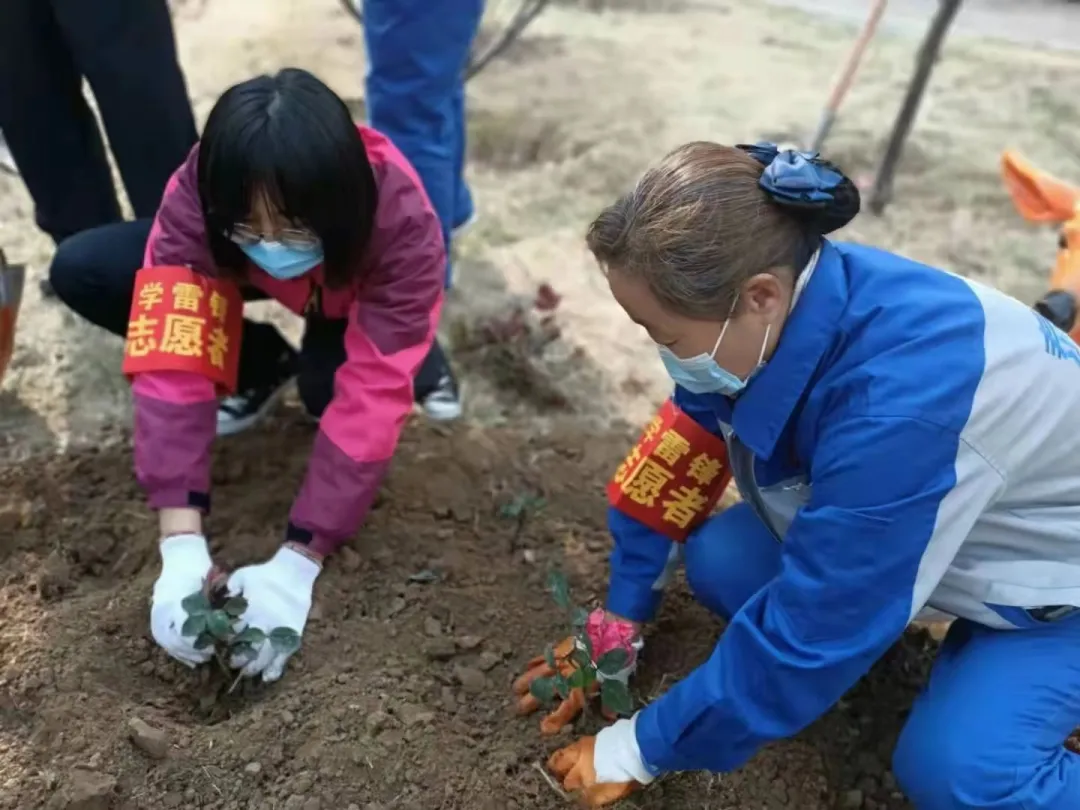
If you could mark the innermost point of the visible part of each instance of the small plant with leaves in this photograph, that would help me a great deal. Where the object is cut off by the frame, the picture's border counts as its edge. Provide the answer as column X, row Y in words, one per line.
column 521, row 506
column 578, row 668
column 212, row 617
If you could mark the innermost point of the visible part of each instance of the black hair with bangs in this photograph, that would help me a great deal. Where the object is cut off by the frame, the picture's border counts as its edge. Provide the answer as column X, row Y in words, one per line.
column 290, row 137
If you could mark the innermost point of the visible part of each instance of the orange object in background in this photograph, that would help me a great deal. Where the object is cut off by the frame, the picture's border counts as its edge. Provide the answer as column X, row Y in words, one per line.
column 12, row 280
column 1041, row 197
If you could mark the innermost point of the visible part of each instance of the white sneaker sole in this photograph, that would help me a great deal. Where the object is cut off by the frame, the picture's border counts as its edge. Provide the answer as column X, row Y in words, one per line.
column 444, row 411
column 459, row 230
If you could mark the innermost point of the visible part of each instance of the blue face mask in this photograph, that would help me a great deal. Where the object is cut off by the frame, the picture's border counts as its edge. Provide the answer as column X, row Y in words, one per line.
column 283, row 262
column 701, row 374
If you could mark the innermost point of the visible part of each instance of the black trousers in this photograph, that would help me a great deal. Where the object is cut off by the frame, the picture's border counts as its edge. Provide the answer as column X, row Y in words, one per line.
column 125, row 49
column 94, row 271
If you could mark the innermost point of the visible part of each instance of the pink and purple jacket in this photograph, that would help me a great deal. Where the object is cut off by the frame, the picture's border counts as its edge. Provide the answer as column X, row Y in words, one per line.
column 393, row 312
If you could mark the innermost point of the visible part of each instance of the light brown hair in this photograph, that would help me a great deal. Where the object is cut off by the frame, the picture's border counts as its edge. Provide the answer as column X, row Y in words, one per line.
column 696, row 227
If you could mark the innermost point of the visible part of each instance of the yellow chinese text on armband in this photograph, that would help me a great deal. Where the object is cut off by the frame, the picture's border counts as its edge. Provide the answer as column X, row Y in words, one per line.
column 184, row 321
column 674, row 475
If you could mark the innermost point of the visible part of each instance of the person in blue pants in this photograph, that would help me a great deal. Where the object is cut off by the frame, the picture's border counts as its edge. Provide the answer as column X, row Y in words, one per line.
column 417, row 52
column 906, row 444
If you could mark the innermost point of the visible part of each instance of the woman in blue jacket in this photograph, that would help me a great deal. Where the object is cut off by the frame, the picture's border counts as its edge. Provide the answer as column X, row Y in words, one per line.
column 906, row 442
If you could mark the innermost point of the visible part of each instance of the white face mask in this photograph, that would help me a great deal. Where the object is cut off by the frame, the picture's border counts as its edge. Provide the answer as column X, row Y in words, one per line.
column 701, row 374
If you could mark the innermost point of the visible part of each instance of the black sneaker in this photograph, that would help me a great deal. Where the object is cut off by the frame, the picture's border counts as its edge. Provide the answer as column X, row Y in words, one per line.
column 247, row 408
column 443, row 402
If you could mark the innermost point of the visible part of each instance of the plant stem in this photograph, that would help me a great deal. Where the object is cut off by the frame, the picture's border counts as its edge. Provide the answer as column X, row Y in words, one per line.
column 235, row 682
column 551, row 782
column 220, row 657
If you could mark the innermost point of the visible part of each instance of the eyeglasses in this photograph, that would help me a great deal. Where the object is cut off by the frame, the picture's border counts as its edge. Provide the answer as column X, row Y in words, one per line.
column 298, row 238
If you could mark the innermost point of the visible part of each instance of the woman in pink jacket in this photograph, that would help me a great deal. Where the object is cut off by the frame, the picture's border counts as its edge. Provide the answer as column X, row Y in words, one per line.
column 283, row 198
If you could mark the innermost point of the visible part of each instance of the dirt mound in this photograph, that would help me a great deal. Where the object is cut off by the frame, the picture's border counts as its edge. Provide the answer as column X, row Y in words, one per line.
column 400, row 696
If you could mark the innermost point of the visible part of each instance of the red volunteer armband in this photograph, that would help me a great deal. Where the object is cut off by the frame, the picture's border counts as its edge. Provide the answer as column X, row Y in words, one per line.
column 674, row 475
column 184, row 321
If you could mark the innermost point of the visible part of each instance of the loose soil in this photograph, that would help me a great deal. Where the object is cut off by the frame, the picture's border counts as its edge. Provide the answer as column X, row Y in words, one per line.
column 400, row 696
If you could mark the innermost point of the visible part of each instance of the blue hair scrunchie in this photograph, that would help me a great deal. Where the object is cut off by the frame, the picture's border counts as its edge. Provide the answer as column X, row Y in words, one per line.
column 811, row 188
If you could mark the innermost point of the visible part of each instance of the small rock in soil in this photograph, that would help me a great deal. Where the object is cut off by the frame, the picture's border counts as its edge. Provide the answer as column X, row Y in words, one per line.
column 432, row 626
column 418, row 717
column 469, row 643
column 392, row 738
column 152, row 741
column 310, row 751
column 253, row 768
column 440, row 649
column 85, row 790
column 488, row 661
column 396, row 606
column 349, row 559
column 449, row 702
column 472, row 680
column 851, row 800
column 377, row 721
column 302, row 783
column 598, row 544
column 441, row 613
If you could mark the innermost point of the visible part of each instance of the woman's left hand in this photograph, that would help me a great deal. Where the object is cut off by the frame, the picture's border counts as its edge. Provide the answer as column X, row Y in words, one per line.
column 278, row 594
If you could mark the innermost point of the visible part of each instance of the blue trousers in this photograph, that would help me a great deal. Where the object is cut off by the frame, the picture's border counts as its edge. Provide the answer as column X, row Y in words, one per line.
column 986, row 733
column 417, row 51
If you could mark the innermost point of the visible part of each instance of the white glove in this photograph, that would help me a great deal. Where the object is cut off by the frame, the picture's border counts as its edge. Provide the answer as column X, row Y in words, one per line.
column 278, row 594
column 617, row 758
column 185, row 563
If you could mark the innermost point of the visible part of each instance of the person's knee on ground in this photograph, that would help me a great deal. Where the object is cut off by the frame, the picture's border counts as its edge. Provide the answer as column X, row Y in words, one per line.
column 66, row 274
column 988, row 732
column 729, row 558
column 71, row 267
column 93, row 272
column 940, row 765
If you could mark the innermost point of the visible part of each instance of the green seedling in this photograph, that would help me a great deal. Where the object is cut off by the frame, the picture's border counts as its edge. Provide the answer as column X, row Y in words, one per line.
column 615, row 697
column 521, row 506
column 212, row 616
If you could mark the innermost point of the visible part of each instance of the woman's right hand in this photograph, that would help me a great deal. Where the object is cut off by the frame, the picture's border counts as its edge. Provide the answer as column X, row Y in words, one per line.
column 605, row 633
column 185, row 565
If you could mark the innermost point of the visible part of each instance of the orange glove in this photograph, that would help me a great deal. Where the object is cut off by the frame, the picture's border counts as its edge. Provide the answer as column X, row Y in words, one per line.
column 604, row 635
column 568, row 709
column 604, row 768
